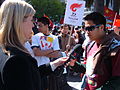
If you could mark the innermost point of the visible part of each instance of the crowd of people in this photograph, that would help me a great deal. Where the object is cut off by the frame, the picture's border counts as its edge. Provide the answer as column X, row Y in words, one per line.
column 33, row 56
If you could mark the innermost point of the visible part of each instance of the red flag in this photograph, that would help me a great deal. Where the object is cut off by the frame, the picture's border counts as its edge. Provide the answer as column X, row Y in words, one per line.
column 51, row 23
column 61, row 20
column 117, row 23
column 108, row 13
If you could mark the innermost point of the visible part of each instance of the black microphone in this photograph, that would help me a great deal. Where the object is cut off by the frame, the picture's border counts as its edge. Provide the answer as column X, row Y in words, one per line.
column 75, row 53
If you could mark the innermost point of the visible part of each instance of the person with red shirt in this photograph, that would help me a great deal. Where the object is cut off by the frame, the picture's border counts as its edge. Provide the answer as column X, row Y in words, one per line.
column 103, row 55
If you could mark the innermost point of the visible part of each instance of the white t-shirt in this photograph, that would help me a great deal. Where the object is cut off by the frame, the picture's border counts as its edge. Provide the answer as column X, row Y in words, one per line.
column 28, row 47
column 45, row 43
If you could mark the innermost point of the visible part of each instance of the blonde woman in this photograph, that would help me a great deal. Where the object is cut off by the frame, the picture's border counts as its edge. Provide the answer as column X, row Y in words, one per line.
column 20, row 71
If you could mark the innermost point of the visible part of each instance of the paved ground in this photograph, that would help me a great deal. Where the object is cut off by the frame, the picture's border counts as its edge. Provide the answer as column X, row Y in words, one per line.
column 74, row 81
column 75, row 85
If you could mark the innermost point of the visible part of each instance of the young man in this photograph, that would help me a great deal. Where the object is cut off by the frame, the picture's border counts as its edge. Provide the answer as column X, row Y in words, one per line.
column 103, row 56
column 64, row 36
column 45, row 45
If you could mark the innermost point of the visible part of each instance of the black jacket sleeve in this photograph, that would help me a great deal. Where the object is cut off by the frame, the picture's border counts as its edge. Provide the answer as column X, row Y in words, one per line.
column 45, row 70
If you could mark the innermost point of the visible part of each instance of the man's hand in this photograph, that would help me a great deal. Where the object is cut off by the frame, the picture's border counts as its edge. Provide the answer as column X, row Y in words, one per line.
column 67, row 47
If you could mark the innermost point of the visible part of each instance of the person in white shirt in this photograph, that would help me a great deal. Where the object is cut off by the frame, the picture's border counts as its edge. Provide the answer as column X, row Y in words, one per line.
column 44, row 44
column 45, row 47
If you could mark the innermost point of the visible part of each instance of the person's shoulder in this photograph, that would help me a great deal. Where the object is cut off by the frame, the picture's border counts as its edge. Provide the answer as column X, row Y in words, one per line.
column 114, row 35
column 18, row 57
column 114, row 44
column 19, row 60
column 53, row 36
column 38, row 34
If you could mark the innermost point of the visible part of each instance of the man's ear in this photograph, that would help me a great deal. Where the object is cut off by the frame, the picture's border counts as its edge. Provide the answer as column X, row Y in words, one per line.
column 101, row 27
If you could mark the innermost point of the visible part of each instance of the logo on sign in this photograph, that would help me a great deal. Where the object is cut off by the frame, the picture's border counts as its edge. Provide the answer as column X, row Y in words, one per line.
column 74, row 6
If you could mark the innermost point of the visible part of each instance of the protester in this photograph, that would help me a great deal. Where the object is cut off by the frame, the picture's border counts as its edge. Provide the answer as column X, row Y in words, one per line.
column 79, row 37
column 64, row 37
column 20, row 71
column 45, row 46
column 102, row 66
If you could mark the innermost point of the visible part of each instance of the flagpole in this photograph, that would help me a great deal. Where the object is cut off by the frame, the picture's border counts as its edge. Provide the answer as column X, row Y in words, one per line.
column 114, row 19
column 69, row 39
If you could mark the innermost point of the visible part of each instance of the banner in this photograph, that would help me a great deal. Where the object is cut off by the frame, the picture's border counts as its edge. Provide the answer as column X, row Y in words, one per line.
column 74, row 12
column 110, row 15
column 117, row 23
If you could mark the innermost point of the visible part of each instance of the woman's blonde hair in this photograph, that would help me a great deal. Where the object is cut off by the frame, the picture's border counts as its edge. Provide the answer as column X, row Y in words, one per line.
column 12, row 14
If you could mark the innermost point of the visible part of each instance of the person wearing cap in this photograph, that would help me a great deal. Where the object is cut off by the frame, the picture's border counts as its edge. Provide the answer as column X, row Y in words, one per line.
column 117, row 27
column 103, row 56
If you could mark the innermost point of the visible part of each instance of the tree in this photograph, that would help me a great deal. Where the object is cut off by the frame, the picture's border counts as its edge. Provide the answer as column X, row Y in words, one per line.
column 52, row 8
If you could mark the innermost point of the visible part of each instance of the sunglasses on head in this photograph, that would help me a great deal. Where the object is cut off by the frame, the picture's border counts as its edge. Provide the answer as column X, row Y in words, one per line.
column 91, row 28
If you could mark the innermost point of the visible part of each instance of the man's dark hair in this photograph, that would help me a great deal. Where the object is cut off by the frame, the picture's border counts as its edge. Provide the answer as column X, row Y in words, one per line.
column 97, row 18
column 65, row 25
column 44, row 20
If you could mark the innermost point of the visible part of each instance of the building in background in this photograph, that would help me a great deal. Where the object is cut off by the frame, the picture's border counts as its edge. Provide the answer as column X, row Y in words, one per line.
column 63, row 1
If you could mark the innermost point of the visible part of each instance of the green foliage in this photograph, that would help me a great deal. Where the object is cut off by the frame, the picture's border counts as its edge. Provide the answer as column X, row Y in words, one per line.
column 52, row 8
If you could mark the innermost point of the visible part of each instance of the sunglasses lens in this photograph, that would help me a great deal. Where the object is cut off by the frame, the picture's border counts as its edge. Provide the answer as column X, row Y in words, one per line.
column 91, row 28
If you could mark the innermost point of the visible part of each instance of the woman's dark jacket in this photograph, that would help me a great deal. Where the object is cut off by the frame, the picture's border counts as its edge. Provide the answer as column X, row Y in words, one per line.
column 22, row 73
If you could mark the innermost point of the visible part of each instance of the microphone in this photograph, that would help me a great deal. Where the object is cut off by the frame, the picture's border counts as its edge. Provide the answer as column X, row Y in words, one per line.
column 75, row 53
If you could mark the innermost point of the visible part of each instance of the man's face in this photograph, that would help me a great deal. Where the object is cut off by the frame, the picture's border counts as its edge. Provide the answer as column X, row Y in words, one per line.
column 65, row 30
column 42, row 28
column 94, row 32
